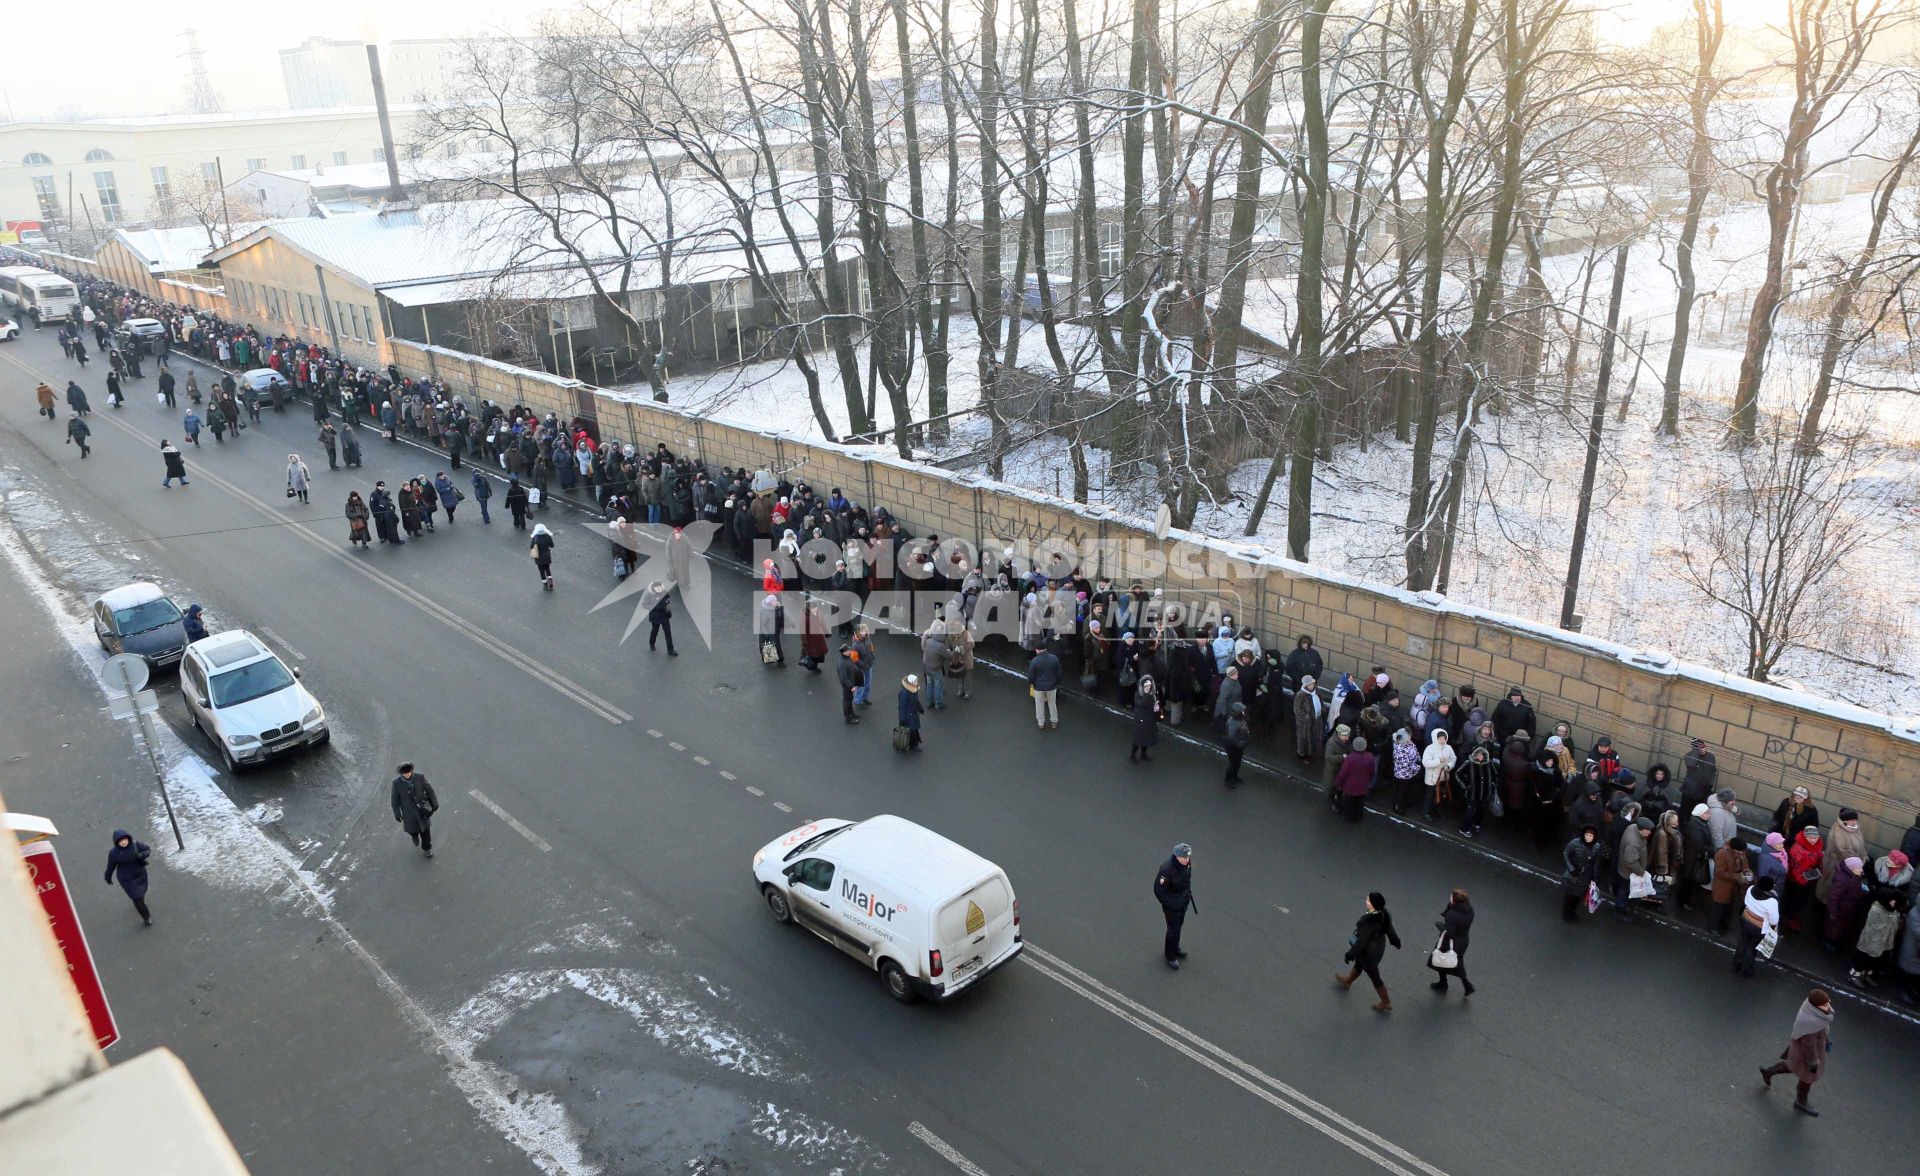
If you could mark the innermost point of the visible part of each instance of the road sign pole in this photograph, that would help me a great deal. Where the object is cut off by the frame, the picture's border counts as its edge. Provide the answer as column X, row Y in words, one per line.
column 146, row 739
column 130, row 672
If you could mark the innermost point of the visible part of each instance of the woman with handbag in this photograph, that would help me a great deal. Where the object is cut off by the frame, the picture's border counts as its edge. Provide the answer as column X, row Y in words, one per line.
column 1449, row 956
column 1759, row 923
column 1583, row 857
column 298, row 479
column 1804, row 858
column 540, row 550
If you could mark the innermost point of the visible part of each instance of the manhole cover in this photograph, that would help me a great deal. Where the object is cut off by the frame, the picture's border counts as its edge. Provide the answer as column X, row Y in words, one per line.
column 725, row 688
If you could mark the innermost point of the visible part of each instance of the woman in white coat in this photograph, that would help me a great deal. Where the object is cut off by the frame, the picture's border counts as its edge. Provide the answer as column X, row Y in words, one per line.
column 1438, row 760
column 297, row 477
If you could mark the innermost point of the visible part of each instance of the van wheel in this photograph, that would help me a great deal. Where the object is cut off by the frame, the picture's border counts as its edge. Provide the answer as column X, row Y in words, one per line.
column 777, row 903
column 896, row 980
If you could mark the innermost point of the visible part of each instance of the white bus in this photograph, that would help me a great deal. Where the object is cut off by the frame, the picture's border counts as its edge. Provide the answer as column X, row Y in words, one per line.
column 43, row 296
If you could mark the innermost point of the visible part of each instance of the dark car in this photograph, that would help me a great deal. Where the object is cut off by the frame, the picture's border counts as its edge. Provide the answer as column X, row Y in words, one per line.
column 264, row 380
column 140, row 619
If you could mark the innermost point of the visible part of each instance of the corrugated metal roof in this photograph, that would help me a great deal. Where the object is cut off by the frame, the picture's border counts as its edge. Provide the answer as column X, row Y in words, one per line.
column 167, row 250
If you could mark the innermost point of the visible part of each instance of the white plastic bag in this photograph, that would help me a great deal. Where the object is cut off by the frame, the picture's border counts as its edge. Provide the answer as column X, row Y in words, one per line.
column 1640, row 886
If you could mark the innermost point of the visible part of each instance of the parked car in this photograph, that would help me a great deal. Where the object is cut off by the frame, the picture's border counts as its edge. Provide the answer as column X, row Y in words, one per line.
column 247, row 701
column 930, row 916
column 9, row 329
column 140, row 619
column 264, row 380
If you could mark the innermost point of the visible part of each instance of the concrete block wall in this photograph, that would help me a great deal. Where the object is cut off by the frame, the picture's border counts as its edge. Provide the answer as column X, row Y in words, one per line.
column 207, row 298
column 1768, row 740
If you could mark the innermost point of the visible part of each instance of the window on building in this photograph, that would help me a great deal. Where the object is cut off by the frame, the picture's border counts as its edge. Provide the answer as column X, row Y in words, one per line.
column 379, row 154
column 574, row 314
column 46, row 190
column 36, row 159
column 99, row 155
column 862, row 292
column 799, row 292
column 109, row 194
column 734, row 294
column 1112, row 248
column 257, row 163
column 366, row 312
column 299, row 163
column 162, row 189
column 644, row 305
column 339, row 315
column 210, row 170
column 1059, row 249
column 339, row 159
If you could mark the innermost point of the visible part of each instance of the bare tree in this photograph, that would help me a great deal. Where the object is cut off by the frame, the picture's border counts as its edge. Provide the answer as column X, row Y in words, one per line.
column 1836, row 338
column 1773, row 543
column 1709, row 30
column 1830, row 42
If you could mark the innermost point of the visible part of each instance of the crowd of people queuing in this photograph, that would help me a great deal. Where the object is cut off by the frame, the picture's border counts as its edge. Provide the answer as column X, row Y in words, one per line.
column 1627, row 839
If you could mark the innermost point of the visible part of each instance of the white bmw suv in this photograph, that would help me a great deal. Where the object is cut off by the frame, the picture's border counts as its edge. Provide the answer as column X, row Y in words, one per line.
column 247, row 701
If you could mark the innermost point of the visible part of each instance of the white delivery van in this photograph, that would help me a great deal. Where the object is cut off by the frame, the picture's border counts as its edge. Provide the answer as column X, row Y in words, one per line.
column 930, row 916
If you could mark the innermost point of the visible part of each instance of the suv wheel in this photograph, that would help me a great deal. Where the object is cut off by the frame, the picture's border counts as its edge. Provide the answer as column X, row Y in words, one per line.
column 777, row 904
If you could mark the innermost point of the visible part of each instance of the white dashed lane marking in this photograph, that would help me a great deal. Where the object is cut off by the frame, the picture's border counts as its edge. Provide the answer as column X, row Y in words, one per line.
column 755, row 791
column 945, row 1150
column 702, row 760
column 676, row 746
column 726, row 775
column 785, row 808
column 539, row 842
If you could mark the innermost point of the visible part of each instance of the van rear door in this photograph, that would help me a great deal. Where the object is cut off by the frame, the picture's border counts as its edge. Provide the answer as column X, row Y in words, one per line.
column 974, row 928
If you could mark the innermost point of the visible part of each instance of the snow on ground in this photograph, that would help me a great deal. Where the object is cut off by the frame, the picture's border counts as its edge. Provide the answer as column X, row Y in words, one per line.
column 1512, row 554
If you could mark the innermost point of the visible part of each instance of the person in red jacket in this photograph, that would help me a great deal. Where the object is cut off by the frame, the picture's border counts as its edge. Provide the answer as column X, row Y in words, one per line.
column 1804, row 854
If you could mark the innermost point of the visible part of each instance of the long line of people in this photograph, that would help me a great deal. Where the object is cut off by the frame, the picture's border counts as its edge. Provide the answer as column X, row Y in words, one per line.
column 1622, row 840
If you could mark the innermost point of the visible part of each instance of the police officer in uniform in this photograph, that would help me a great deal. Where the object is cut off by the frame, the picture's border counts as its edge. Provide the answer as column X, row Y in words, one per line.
column 1173, row 886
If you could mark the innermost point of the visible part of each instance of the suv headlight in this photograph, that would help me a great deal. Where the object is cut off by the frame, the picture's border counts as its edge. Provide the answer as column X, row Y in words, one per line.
column 759, row 855
column 243, row 740
column 313, row 716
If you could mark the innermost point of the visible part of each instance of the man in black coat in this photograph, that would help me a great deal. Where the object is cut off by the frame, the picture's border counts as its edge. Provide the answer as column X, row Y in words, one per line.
column 660, row 617
column 1701, row 775
column 129, row 859
column 1173, row 886
column 414, row 803
column 850, row 676
column 1303, row 662
column 1513, row 713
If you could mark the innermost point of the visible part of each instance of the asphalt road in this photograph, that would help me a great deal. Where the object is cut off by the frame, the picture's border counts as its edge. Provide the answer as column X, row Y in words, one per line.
column 604, row 991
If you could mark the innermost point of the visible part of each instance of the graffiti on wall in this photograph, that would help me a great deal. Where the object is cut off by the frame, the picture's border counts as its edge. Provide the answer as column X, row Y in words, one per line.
column 1815, row 761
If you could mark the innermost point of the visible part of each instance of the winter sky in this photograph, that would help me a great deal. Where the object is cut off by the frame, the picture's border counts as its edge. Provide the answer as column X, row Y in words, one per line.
column 123, row 56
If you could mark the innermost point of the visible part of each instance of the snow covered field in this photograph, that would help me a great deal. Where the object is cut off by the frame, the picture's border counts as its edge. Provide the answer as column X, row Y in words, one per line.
column 1513, row 548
